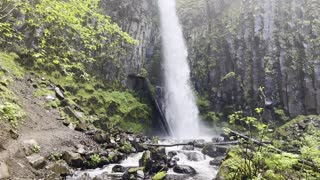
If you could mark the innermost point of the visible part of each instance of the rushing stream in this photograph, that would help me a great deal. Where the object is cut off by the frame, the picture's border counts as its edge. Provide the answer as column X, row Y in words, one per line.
column 185, row 156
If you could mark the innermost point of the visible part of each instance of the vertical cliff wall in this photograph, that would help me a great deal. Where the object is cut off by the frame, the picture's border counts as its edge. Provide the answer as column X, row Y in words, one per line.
column 141, row 20
column 238, row 46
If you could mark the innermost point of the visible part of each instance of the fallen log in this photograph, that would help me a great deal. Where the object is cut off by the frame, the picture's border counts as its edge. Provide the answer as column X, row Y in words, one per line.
column 193, row 144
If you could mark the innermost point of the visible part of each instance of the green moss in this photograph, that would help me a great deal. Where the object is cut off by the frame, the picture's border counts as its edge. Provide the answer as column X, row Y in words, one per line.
column 135, row 169
column 121, row 108
column 159, row 176
column 281, row 115
column 7, row 62
column 40, row 92
column 126, row 147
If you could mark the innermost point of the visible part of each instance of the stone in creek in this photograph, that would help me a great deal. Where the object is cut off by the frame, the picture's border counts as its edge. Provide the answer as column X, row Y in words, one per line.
column 171, row 154
column 184, row 169
column 194, row 156
column 118, row 169
column 217, row 161
column 213, row 151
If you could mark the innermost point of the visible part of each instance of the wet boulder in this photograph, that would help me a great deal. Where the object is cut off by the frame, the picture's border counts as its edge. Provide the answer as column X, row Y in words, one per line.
column 158, row 154
column 216, row 161
column 184, row 169
column 194, row 156
column 199, row 143
column 118, row 169
column 213, row 151
column 60, row 169
column 171, row 154
column 172, row 163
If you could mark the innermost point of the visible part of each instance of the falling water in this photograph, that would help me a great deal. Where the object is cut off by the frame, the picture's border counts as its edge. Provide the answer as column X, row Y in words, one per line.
column 181, row 109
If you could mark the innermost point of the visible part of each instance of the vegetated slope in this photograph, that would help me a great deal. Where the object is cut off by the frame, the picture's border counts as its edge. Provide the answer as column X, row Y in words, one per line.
column 37, row 124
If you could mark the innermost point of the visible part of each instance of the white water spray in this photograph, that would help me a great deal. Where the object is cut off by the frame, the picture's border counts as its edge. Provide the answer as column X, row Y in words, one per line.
column 181, row 109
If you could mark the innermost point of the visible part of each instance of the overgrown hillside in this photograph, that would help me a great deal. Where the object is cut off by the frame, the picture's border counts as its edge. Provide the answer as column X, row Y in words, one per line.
column 76, row 46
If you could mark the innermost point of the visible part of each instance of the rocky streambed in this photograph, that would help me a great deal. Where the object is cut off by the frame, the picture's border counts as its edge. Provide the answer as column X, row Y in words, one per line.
column 197, row 159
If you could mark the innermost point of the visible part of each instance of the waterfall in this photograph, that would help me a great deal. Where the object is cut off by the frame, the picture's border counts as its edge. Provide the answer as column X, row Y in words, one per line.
column 181, row 110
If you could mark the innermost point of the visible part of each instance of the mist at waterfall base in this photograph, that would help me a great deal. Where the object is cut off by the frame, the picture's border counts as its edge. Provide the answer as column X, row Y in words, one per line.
column 181, row 111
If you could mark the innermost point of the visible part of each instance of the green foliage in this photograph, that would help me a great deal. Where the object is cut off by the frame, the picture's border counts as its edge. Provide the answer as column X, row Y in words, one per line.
column 12, row 113
column 7, row 62
column 126, row 147
column 159, row 176
column 203, row 104
column 95, row 159
column 36, row 148
column 66, row 35
column 250, row 160
column 228, row 76
column 281, row 115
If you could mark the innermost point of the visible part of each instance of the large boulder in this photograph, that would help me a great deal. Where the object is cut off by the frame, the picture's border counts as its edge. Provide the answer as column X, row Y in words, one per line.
column 118, row 169
column 184, row 169
column 60, row 169
column 158, row 154
column 73, row 159
column 194, row 156
column 217, row 161
column 36, row 161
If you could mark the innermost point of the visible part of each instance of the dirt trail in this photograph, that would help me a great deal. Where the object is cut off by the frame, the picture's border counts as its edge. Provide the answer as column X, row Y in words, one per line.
column 41, row 125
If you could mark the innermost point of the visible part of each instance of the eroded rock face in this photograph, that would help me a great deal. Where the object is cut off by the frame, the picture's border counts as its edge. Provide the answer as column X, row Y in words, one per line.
column 140, row 19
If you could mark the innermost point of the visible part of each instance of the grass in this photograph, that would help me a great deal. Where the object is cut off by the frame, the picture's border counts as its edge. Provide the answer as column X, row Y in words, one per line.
column 8, row 63
column 10, row 110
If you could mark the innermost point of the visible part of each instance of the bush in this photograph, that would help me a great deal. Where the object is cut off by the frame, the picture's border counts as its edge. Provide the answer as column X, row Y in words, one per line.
column 12, row 113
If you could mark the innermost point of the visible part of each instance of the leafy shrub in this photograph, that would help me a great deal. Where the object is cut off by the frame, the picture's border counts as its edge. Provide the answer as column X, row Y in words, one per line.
column 12, row 113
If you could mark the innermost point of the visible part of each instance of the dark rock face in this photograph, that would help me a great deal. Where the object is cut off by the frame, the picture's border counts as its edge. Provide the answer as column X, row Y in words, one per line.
column 182, row 169
column 140, row 19
column 263, row 45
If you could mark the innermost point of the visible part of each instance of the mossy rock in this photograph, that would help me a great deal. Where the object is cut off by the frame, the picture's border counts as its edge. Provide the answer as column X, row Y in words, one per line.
column 135, row 169
column 160, row 175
